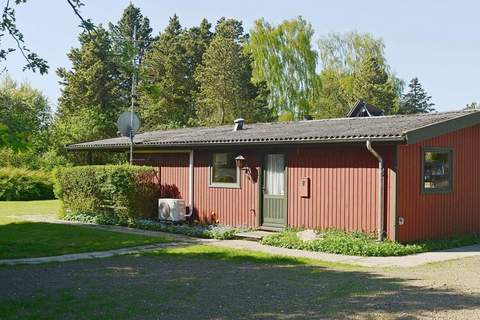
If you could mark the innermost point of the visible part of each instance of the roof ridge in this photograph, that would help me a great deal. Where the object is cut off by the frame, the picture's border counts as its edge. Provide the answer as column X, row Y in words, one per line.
column 317, row 120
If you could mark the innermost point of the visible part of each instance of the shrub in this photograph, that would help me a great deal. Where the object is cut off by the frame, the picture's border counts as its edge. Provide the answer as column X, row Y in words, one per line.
column 23, row 184
column 194, row 230
column 116, row 193
column 362, row 244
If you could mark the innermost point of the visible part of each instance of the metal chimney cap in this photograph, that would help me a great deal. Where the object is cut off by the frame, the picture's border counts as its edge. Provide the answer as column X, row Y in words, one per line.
column 238, row 124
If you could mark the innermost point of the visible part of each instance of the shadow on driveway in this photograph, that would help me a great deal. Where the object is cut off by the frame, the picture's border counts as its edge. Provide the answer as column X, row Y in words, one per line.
column 218, row 285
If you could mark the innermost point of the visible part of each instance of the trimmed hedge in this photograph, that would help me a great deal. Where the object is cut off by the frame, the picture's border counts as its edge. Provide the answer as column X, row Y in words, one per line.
column 362, row 244
column 23, row 184
column 119, row 193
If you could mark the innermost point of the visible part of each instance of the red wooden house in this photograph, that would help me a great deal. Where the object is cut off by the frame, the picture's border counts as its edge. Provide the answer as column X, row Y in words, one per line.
column 408, row 177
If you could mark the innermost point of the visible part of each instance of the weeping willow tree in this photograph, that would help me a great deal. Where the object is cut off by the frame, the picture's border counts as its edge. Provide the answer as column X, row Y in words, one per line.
column 284, row 59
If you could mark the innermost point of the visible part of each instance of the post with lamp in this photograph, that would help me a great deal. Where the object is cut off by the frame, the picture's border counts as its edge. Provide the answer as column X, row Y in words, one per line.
column 241, row 163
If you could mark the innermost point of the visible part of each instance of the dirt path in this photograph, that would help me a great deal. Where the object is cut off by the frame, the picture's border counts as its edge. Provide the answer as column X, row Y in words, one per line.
column 191, row 287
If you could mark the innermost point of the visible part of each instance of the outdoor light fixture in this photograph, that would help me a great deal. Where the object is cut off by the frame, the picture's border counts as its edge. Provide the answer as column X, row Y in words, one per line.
column 242, row 164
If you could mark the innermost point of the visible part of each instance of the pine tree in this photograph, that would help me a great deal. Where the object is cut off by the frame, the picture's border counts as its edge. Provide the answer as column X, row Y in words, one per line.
column 122, row 46
column 166, row 93
column 373, row 85
column 225, row 90
column 416, row 100
column 90, row 102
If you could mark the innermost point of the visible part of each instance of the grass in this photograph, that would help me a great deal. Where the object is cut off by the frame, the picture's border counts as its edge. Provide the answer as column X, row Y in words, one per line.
column 207, row 282
column 362, row 244
column 20, row 238
column 236, row 256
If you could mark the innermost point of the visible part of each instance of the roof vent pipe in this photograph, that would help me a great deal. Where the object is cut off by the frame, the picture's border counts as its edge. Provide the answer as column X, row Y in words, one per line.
column 380, row 190
column 238, row 124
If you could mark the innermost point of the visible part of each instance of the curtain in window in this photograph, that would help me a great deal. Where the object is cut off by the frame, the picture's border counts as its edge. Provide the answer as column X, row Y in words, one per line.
column 274, row 174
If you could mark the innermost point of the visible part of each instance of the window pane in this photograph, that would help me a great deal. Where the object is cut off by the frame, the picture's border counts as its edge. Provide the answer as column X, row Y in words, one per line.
column 274, row 174
column 224, row 169
column 436, row 170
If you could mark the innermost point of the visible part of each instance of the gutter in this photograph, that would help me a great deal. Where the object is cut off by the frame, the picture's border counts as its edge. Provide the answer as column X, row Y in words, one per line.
column 190, row 183
column 295, row 141
column 380, row 190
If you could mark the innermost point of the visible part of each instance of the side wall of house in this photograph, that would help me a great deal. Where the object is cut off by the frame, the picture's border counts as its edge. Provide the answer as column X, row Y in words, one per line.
column 230, row 206
column 343, row 187
column 171, row 171
column 440, row 215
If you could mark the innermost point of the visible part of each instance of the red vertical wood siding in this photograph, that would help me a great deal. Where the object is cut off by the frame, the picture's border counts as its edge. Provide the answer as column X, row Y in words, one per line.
column 429, row 216
column 231, row 206
column 171, row 168
column 343, row 187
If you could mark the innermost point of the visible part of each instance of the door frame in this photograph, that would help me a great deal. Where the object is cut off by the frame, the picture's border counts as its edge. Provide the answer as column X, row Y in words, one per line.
column 261, row 179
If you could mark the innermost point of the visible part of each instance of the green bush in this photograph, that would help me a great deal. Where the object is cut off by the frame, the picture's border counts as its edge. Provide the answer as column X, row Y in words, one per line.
column 116, row 193
column 362, row 244
column 23, row 184
column 220, row 232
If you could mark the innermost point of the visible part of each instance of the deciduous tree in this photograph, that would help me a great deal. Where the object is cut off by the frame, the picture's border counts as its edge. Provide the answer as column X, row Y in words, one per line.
column 284, row 59
column 354, row 67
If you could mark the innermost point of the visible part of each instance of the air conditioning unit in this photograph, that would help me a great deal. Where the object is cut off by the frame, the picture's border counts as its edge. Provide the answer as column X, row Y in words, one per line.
column 173, row 210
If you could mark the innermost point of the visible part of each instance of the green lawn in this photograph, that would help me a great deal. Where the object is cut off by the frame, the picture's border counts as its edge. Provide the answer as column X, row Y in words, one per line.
column 20, row 238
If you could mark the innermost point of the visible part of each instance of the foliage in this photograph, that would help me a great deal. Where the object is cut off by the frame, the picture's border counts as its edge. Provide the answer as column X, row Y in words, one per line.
column 361, row 244
column 284, row 59
column 416, row 100
column 354, row 68
column 373, row 85
column 124, row 51
column 193, row 230
column 225, row 90
column 123, row 192
column 91, row 99
column 168, row 85
column 22, row 184
column 344, row 52
column 24, row 115
column 8, row 25
column 472, row 106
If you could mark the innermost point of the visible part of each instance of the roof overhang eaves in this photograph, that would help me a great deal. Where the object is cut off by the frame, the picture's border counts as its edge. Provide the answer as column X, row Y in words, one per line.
column 440, row 128
column 213, row 143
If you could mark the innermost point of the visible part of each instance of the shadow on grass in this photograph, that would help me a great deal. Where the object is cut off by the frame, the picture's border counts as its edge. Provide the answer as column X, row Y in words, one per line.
column 203, row 282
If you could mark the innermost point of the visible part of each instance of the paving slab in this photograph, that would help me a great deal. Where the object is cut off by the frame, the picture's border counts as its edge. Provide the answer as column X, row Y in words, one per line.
column 90, row 255
column 403, row 261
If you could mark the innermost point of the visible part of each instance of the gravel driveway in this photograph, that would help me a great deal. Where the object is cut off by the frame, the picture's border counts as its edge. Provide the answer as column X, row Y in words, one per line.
column 191, row 287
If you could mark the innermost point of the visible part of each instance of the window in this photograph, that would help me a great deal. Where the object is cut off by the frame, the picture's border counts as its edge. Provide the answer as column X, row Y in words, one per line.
column 224, row 172
column 436, row 170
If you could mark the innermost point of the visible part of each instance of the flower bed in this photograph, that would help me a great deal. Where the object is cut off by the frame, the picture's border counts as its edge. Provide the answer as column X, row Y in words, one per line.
column 193, row 229
column 362, row 244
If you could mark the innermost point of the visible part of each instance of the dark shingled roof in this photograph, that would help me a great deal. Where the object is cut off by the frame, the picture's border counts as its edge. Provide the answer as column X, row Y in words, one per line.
column 382, row 128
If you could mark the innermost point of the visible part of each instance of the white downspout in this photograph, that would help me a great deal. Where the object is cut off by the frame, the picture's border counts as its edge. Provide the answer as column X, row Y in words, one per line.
column 190, row 183
column 380, row 192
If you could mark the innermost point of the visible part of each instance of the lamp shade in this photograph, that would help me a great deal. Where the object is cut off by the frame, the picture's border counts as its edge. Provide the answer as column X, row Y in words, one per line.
column 240, row 161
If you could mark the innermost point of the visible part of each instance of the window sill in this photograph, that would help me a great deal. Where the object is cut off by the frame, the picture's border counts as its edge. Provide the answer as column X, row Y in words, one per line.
column 436, row 191
column 224, row 185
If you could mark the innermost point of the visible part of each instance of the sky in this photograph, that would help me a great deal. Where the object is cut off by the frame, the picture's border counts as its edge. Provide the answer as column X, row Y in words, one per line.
column 436, row 41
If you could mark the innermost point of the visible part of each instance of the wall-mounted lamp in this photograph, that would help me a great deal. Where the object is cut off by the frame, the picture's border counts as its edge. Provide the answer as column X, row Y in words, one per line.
column 241, row 163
